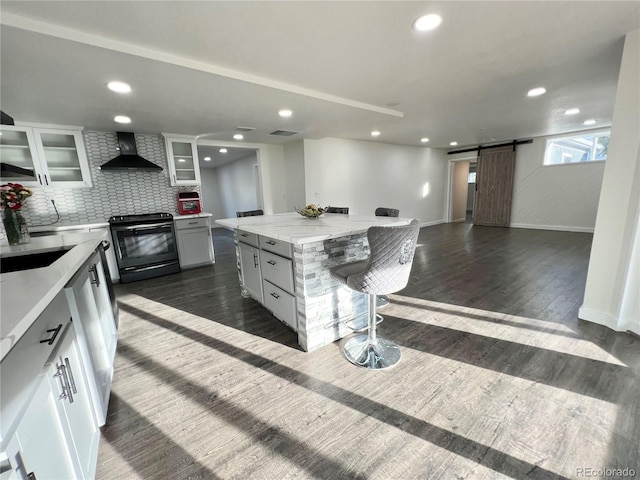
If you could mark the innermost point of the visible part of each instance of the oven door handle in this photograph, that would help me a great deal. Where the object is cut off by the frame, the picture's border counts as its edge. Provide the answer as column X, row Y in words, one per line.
column 141, row 227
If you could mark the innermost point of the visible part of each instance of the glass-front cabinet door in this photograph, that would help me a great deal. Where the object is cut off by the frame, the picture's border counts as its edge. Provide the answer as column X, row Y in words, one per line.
column 42, row 157
column 17, row 162
column 64, row 155
column 182, row 156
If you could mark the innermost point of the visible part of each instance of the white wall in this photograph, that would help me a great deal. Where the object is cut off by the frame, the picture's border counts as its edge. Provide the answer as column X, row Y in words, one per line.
column 559, row 197
column 273, row 177
column 294, row 174
column 237, row 184
column 365, row 175
column 612, row 271
column 210, row 192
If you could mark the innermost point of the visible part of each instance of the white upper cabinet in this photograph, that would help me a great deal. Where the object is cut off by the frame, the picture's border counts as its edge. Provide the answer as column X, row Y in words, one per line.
column 182, row 156
column 49, row 156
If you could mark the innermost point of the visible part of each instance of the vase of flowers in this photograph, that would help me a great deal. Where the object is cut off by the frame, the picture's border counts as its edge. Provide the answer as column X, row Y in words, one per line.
column 12, row 197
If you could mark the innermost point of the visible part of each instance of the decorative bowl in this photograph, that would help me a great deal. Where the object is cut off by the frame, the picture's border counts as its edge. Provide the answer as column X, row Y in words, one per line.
column 310, row 211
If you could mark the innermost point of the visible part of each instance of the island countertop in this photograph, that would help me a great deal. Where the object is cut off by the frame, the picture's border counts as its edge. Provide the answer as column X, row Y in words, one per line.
column 25, row 294
column 297, row 230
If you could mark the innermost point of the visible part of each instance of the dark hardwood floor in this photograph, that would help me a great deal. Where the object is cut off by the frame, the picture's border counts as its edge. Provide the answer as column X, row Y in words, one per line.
column 498, row 379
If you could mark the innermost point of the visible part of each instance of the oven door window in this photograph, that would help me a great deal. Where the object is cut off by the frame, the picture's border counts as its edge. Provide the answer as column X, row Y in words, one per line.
column 139, row 246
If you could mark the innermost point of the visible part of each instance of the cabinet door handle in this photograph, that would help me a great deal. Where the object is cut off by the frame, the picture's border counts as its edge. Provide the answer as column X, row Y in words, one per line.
column 64, row 381
column 270, row 242
column 271, row 262
column 72, row 380
column 255, row 260
column 275, row 295
column 55, row 331
column 244, row 234
column 174, row 179
column 31, row 476
column 45, row 179
column 39, row 179
column 93, row 273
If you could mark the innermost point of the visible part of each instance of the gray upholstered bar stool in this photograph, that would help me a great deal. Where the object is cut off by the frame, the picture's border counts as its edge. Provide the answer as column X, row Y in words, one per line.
column 249, row 213
column 385, row 271
column 383, row 300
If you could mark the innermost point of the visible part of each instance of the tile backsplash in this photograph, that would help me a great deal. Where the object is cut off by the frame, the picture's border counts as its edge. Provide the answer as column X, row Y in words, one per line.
column 113, row 192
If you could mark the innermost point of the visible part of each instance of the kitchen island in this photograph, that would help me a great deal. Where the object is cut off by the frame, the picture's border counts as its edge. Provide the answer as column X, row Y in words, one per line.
column 284, row 262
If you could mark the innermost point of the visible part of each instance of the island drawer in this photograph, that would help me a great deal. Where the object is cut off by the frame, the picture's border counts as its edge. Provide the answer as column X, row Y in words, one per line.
column 181, row 224
column 277, row 270
column 21, row 367
column 281, row 303
column 248, row 238
column 276, row 246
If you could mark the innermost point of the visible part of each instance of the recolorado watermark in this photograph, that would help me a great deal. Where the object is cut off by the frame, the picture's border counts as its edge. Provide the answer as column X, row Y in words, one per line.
column 609, row 472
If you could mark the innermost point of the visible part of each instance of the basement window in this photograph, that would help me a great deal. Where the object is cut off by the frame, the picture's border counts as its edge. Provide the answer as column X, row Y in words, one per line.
column 586, row 147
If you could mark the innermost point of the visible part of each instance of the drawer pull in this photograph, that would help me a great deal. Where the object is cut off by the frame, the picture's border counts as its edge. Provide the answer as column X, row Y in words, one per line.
column 270, row 242
column 244, row 234
column 275, row 295
column 271, row 262
column 193, row 223
column 55, row 331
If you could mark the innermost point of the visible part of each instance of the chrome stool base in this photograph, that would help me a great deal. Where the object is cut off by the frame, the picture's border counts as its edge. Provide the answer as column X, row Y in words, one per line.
column 374, row 356
column 382, row 301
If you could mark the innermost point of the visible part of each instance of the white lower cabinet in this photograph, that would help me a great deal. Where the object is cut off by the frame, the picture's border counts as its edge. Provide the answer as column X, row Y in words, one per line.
column 39, row 449
column 250, row 268
column 58, row 436
column 281, row 304
column 267, row 271
column 95, row 326
column 195, row 245
column 69, row 381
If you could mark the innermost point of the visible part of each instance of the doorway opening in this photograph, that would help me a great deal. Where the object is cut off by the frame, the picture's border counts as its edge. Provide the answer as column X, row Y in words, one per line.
column 230, row 179
column 462, row 189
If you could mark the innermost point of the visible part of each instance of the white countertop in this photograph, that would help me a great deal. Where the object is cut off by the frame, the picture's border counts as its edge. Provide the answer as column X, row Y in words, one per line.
column 24, row 295
column 296, row 229
column 61, row 227
column 195, row 215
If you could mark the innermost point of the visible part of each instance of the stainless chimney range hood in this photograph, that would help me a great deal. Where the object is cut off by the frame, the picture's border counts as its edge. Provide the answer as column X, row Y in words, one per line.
column 129, row 158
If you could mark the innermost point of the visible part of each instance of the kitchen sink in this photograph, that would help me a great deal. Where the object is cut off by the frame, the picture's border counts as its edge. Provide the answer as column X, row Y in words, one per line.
column 30, row 261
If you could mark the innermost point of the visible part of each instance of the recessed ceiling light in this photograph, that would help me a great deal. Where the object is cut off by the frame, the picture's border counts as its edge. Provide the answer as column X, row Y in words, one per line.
column 453, row 144
column 181, row 160
column 591, row 121
column 285, row 113
column 375, row 133
column 536, row 92
column 238, row 136
column 572, row 111
column 122, row 119
column 119, row 87
column 207, row 159
column 223, row 150
column 424, row 140
column 427, row 22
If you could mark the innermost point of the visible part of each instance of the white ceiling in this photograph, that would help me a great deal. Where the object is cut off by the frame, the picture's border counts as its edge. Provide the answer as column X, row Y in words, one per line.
column 218, row 158
column 344, row 68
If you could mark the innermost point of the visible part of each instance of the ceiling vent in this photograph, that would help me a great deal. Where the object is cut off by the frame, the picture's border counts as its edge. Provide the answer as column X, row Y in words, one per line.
column 244, row 129
column 283, row 133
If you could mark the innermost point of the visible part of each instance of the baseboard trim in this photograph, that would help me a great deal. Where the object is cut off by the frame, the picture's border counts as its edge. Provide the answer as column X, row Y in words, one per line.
column 459, row 220
column 559, row 228
column 429, row 224
column 601, row 318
